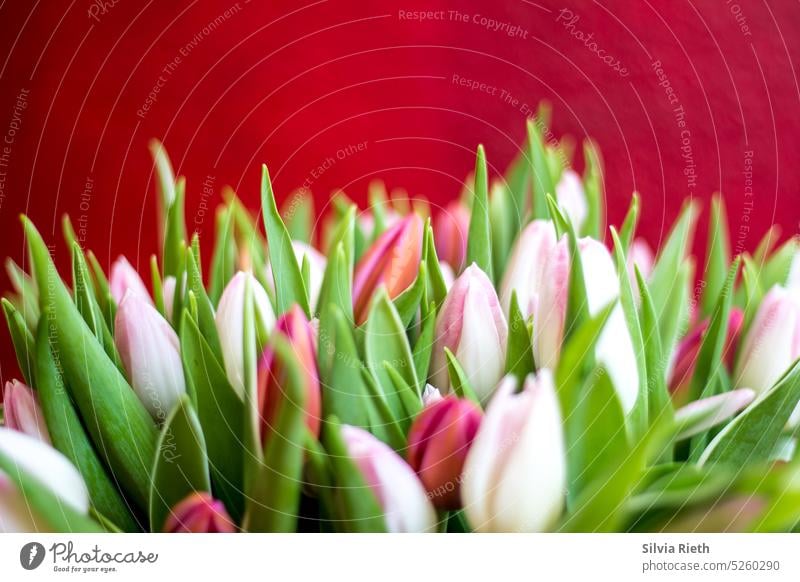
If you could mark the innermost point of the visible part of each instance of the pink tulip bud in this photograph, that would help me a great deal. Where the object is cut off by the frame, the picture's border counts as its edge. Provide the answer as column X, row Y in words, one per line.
column 571, row 198
column 438, row 443
column 405, row 504
column 22, row 411
column 689, row 347
column 272, row 373
column 450, row 228
column 772, row 342
column 641, row 255
column 392, row 261
column 123, row 278
column 614, row 348
column 229, row 321
column 150, row 352
column 472, row 326
column 199, row 513
column 525, row 269
column 515, row 475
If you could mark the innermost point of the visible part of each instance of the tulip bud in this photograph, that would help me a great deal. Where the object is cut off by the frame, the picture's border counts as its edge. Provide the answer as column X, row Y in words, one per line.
column 438, row 443
column 22, row 411
column 45, row 464
column 272, row 375
column 689, row 347
column 515, row 475
column 15, row 511
column 168, row 293
column 525, row 267
column 199, row 513
column 614, row 348
column 123, row 278
column 430, row 395
column 150, row 352
column 571, row 198
column 392, row 261
column 317, row 263
column 230, row 324
column 773, row 341
column 450, row 230
column 472, row 326
column 406, row 507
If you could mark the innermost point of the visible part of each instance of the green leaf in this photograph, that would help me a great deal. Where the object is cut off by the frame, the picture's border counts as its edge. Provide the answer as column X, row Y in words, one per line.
column 158, row 287
column 673, row 319
column 383, row 423
column 519, row 353
column 577, row 302
column 181, row 465
column 479, row 238
column 289, row 286
column 502, row 222
column 423, row 348
column 593, row 187
column 458, row 379
column 48, row 510
column 219, row 411
column 751, row 436
column 103, row 292
column 335, row 296
column 175, row 232
column 356, row 507
column 69, row 436
column 628, row 230
column 165, row 176
column 718, row 255
column 753, row 293
column 386, row 341
column 437, row 288
column 410, row 399
column 407, row 303
column 518, row 180
column 542, row 182
column 205, row 310
column 298, row 214
column 120, row 426
column 22, row 339
column 223, row 259
column 595, row 432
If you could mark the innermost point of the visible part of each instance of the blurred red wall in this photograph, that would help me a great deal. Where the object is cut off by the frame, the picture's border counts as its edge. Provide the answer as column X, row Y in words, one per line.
column 291, row 84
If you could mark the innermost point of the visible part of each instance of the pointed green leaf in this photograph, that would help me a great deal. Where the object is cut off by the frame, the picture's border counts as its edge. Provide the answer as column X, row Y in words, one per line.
column 459, row 381
column 593, row 187
column 223, row 259
column 519, row 354
column 22, row 339
column 628, row 230
column 542, row 182
column 479, row 238
column 423, row 348
column 717, row 255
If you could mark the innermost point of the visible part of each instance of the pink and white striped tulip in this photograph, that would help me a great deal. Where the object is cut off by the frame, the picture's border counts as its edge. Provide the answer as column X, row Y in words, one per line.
column 150, row 352
column 515, row 475
column 392, row 261
column 199, row 513
column 614, row 348
column 471, row 324
column 525, row 269
column 571, row 198
column 22, row 411
column 399, row 492
column 229, row 320
column 123, row 278
column 772, row 342
column 48, row 466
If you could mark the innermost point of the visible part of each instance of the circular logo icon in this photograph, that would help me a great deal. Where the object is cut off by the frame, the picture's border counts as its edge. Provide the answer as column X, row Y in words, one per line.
column 31, row 555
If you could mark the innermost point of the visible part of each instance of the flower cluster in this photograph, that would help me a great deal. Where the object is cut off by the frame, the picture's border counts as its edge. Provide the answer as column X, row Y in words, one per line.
column 508, row 364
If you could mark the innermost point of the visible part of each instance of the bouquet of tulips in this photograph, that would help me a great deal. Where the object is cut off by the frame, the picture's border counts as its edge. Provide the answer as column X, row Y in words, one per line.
column 508, row 364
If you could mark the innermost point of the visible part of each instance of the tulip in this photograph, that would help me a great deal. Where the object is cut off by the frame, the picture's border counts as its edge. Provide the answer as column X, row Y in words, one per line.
column 168, row 293
column 526, row 264
column 438, row 443
column 614, row 348
column 687, row 350
column 15, row 511
column 515, row 474
column 472, row 326
column 402, row 497
column 150, row 352
column 272, row 374
column 317, row 263
column 45, row 464
column 393, row 261
column 430, row 395
column 773, row 341
column 199, row 513
column 701, row 415
column 123, row 278
column 229, row 320
column 450, row 230
column 22, row 411
column 571, row 198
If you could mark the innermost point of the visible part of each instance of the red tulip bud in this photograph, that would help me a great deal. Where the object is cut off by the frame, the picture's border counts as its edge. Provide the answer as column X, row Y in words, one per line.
column 199, row 513
column 272, row 375
column 438, row 444
column 392, row 261
column 450, row 230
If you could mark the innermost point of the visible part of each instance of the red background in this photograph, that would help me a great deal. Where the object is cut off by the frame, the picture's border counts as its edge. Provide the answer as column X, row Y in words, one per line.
column 291, row 83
